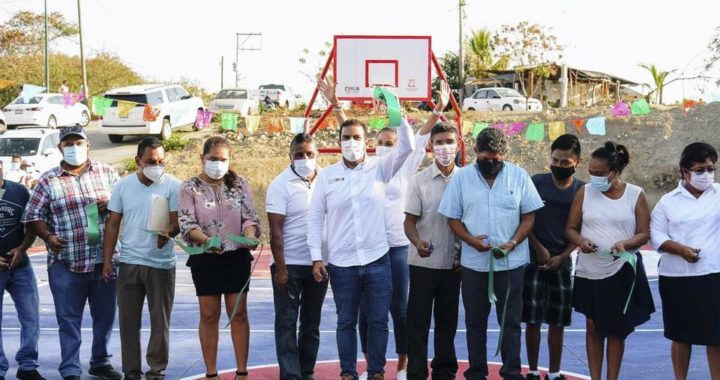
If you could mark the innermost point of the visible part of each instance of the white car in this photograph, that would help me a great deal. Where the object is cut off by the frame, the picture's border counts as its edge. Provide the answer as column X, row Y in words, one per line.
column 37, row 145
column 499, row 99
column 279, row 94
column 46, row 110
column 176, row 108
column 240, row 100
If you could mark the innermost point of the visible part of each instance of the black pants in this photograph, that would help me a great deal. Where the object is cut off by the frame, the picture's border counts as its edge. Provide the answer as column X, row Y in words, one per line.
column 477, row 310
column 441, row 287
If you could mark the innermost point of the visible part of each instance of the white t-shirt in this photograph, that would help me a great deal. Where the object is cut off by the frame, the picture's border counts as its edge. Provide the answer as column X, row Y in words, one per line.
column 690, row 221
column 133, row 199
column 605, row 222
column 289, row 195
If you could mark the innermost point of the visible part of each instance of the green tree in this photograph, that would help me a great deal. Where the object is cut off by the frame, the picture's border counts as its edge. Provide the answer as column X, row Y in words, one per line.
column 531, row 49
column 450, row 65
column 660, row 79
column 24, row 32
column 481, row 54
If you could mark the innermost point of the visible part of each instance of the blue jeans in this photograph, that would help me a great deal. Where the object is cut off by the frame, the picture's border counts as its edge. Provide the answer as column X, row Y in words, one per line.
column 398, row 306
column 21, row 285
column 349, row 284
column 297, row 351
column 71, row 291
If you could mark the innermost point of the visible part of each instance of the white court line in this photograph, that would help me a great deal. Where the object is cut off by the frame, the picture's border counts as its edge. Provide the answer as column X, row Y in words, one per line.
column 264, row 331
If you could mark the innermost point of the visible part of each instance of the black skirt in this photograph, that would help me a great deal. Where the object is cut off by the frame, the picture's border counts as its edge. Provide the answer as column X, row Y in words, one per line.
column 690, row 314
column 603, row 301
column 220, row 274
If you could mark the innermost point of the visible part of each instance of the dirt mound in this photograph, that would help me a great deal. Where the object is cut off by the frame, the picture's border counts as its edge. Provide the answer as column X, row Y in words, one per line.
column 654, row 141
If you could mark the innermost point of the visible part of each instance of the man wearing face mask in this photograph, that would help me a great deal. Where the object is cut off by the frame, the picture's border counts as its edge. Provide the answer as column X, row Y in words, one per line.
column 295, row 291
column 547, row 297
column 147, row 261
column 58, row 213
column 492, row 204
column 13, row 173
column 351, row 195
column 434, row 258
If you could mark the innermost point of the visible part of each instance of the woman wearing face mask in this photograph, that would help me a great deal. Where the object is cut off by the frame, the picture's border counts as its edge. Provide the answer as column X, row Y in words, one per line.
column 218, row 203
column 686, row 232
column 609, row 220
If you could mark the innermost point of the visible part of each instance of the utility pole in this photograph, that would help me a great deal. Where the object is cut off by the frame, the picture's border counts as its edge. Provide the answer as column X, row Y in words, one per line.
column 47, row 54
column 461, row 54
column 222, row 72
column 240, row 46
column 82, row 52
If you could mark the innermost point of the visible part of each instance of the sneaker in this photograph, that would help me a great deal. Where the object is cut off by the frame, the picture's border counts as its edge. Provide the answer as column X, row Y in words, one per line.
column 106, row 372
column 29, row 375
column 364, row 376
column 561, row 377
column 533, row 377
column 402, row 375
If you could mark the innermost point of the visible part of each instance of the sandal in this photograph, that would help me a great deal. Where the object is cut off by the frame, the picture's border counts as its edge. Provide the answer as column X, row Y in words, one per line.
column 240, row 375
column 213, row 376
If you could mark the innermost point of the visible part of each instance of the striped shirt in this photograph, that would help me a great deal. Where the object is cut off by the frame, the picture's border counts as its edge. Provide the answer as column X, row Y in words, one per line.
column 60, row 199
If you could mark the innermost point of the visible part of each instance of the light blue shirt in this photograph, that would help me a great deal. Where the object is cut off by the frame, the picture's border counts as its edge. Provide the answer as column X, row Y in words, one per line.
column 133, row 200
column 492, row 211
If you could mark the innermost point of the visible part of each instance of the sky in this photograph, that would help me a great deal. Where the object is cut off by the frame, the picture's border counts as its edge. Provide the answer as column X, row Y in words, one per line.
column 165, row 40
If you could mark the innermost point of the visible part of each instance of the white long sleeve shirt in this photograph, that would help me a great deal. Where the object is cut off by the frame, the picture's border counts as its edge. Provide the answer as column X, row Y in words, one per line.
column 353, row 201
column 690, row 221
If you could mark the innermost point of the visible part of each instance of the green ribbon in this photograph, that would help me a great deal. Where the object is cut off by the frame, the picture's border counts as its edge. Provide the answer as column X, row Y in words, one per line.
column 393, row 105
column 213, row 242
column 93, row 223
column 630, row 259
column 491, row 290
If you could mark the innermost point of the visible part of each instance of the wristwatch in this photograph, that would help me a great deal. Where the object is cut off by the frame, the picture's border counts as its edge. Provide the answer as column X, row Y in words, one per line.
column 514, row 243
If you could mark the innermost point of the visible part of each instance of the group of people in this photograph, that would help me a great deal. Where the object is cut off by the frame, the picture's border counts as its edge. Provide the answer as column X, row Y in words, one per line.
column 22, row 172
column 388, row 240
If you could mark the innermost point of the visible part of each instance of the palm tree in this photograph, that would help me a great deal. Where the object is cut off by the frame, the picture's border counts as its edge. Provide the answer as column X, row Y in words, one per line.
column 659, row 77
column 480, row 54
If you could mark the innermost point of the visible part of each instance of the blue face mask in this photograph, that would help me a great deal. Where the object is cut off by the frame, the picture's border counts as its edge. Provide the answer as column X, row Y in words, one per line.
column 600, row 183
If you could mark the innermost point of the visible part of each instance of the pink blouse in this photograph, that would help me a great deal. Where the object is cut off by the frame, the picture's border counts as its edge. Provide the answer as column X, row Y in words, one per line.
column 216, row 210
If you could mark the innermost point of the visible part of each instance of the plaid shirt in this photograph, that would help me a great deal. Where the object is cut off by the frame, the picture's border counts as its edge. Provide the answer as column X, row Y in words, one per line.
column 60, row 199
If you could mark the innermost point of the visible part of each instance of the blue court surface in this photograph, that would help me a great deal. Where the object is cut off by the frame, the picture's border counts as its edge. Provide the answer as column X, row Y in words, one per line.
column 647, row 353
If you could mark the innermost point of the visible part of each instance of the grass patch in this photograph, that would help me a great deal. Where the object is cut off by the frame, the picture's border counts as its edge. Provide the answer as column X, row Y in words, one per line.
column 130, row 165
column 175, row 142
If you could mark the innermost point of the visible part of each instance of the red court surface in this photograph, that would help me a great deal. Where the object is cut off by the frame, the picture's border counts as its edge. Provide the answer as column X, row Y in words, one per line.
column 331, row 370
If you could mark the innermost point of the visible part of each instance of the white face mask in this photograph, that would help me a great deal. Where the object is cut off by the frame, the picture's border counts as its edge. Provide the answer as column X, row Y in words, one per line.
column 382, row 150
column 703, row 181
column 216, row 169
column 445, row 154
column 154, row 173
column 353, row 150
column 14, row 166
column 305, row 168
column 75, row 155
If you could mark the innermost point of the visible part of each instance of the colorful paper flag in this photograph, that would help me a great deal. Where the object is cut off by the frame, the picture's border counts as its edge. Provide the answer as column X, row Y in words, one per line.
column 596, row 126
column 275, row 125
column 252, row 123
column 71, row 98
column 377, row 123
column 556, row 129
column 30, row 90
column 640, row 107
column 477, row 128
column 228, row 121
column 535, row 132
column 100, row 105
column 150, row 113
column 689, row 103
column 515, row 128
column 578, row 124
column 620, row 109
column 500, row 126
column 203, row 118
column 297, row 124
column 124, row 107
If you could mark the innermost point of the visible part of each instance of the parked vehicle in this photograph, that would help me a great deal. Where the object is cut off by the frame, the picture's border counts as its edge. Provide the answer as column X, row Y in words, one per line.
column 281, row 95
column 241, row 100
column 499, row 99
column 175, row 106
column 37, row 145
column 46, row 110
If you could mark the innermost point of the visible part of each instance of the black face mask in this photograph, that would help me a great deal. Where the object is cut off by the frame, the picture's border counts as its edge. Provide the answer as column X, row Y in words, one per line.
column 489, row 168
column 560, row 173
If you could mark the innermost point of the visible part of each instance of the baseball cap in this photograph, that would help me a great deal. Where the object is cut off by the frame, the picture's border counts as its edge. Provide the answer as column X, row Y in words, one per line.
column 76, row 130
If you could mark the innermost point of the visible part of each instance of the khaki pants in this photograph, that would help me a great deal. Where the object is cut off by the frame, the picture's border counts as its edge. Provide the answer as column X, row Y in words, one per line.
column 134, row 284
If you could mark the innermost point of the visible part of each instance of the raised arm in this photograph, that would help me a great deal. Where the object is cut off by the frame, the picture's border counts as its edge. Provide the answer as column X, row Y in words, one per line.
column 327, row 89
column 392, row 163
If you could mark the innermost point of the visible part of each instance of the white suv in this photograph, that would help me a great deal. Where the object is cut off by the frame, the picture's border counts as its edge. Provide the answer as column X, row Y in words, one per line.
column 177, row 108
column 279, row 94
column 499, row 99
column 241, row 100
column 37, row 145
